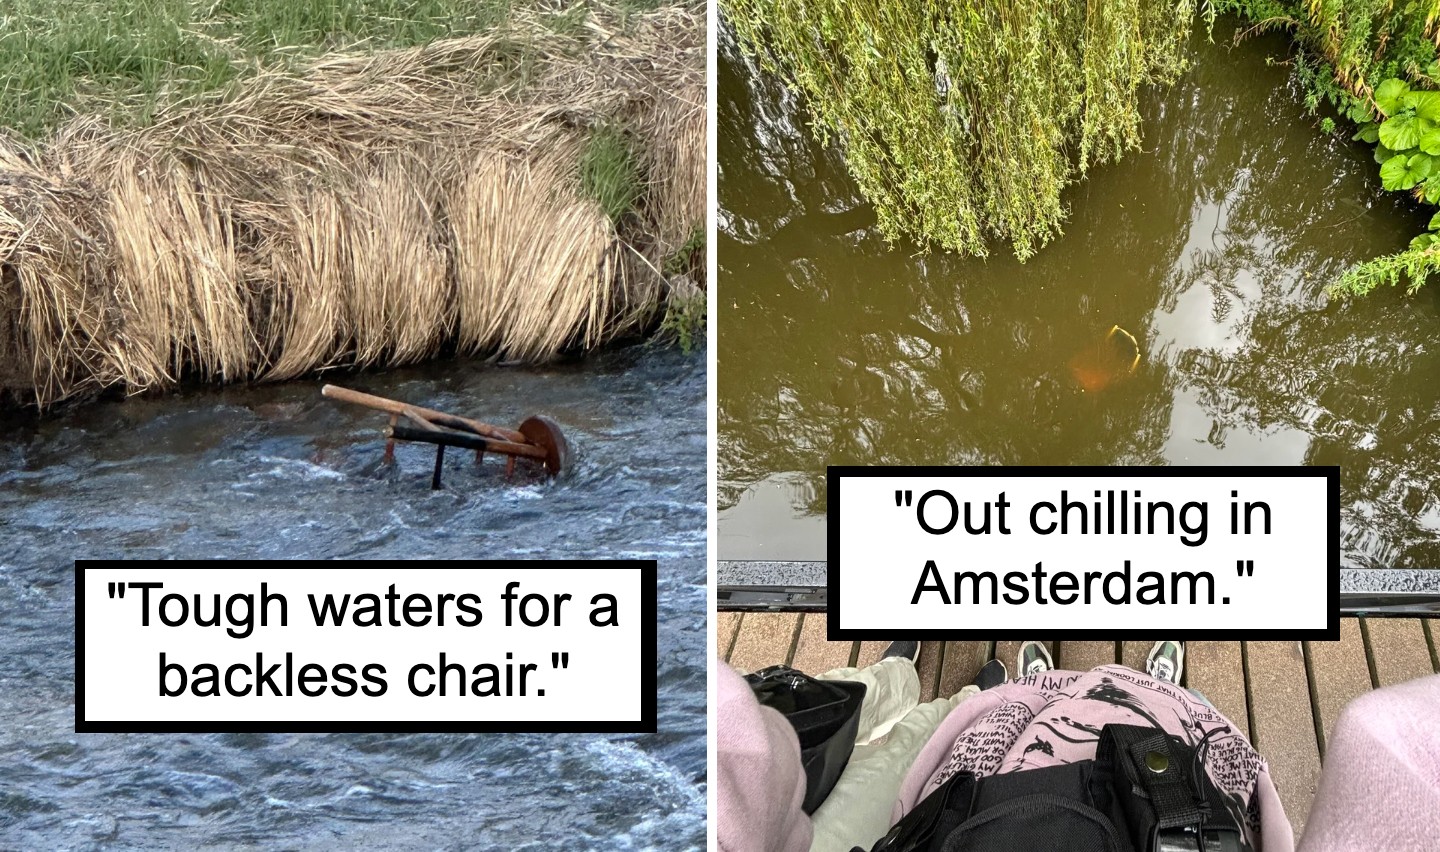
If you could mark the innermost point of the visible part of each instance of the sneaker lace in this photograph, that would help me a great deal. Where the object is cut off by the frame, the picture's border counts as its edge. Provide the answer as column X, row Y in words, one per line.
column 1162, row 669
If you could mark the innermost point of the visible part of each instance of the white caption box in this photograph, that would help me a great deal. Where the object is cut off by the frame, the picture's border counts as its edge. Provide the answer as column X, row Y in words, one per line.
column 1284, row 583
column 572, row 674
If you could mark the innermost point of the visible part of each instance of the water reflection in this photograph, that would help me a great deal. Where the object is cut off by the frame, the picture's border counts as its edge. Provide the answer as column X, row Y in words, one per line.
column 1213, row 246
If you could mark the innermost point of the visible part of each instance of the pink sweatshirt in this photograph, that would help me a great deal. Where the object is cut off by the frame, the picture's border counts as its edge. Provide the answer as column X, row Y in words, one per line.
column 760, row 784
column 1055, row 717
column 1381, row 784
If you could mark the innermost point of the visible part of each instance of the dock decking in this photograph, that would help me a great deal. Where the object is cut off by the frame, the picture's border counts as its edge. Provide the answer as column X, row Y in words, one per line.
column 1286, row 696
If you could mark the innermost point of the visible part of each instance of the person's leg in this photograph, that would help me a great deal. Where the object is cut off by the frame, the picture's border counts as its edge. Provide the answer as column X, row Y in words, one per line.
column 892, row 689
column 857, row 811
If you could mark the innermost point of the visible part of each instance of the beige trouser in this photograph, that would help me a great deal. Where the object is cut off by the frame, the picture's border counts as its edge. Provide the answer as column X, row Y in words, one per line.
column 892, row 689
column 857, row 811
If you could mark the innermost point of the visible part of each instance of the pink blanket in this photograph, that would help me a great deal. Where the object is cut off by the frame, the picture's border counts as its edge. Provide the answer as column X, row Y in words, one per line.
column 1381, row 784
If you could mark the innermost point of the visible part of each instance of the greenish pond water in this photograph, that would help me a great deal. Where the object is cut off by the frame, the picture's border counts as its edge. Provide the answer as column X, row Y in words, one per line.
column 1213, row 246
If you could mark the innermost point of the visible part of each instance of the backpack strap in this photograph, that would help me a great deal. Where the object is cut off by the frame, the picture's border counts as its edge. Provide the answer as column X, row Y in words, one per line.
column 1158, row 767
column 936, row 814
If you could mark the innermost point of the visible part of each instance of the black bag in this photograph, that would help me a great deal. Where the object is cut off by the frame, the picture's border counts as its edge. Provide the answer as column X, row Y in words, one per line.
column 825, row 715
column 1145, row 791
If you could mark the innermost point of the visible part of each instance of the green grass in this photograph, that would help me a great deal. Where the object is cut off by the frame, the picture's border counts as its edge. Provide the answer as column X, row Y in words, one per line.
column 609, row 172
column 121, row 58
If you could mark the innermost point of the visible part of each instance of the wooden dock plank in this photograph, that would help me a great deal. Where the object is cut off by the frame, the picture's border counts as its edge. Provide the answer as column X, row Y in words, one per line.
column 1398, row 649
column 961, row 661
column 1133, row 654
column 727, row 624
column 870, row 653
column 928, row 667
column 1430, row 637
column 1284, row 733
column 764, row 640
column 1084, row 656
column 814, row 654
column 1339, row 672
column 1216, row 670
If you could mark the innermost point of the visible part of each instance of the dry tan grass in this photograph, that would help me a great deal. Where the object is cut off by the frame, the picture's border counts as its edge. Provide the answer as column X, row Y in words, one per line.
column 375, row 210
column 535, row 263
column 176, row 273
column 58, row 303
column 676, row 148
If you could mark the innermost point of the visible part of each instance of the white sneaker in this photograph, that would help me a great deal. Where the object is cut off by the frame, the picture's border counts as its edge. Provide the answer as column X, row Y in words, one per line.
column 1166, row 661
column 1033, row 658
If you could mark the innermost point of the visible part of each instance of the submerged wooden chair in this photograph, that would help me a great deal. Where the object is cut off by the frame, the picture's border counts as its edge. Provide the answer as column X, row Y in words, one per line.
column 537, row 438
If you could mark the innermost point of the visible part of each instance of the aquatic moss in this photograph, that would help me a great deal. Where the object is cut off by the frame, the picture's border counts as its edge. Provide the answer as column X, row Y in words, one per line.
column 963, row 123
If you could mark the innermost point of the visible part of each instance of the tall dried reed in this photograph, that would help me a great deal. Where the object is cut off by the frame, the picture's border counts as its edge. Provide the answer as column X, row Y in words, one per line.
column 373, row 210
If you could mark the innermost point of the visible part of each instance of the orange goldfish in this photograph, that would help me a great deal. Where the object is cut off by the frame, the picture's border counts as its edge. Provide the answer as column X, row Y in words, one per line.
column 1111, row 360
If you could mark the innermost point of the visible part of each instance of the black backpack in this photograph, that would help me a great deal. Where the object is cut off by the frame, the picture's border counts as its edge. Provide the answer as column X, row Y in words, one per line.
column 1145, row 791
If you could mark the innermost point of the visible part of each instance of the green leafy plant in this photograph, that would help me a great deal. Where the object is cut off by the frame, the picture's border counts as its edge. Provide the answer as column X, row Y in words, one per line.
column 684, row 321
column 688, row 255
column 1407, row 147
column 1411, row 267
column 1404, row 171
column 963, row 123
column 1411, row 130
column 1343, row 48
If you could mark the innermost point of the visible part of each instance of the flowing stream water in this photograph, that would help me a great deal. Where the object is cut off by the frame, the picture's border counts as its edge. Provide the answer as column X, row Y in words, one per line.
column 1212, row 246
column 277, row 472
